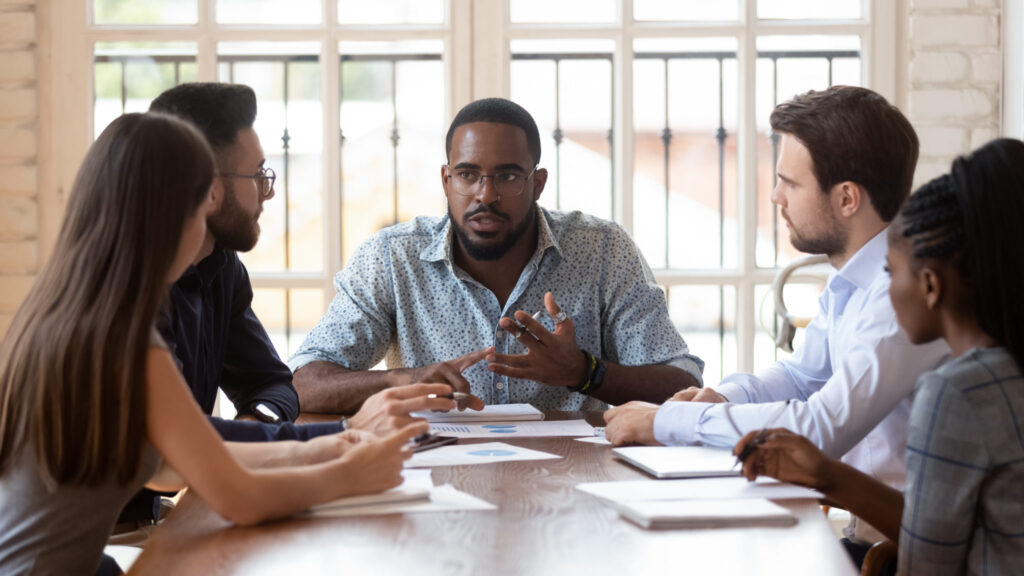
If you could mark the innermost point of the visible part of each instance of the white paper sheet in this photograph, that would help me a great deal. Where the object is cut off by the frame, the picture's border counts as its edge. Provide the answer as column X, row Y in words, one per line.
column 485, row 453
column 595, row 440
column 442, row 499
column 696, row 488
column 548, row 428
column 490, row 413
column 416, row 485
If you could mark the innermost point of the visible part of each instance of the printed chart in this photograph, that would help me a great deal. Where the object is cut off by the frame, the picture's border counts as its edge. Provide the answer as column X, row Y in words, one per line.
column 463, row 454
column 540, row 429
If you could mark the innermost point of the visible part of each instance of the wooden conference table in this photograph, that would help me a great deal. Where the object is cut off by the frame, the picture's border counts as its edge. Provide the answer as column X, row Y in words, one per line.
column 542, row 526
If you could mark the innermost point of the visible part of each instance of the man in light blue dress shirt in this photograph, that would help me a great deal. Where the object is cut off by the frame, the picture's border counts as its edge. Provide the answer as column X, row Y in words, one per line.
column 845, row 166
column 500, row 298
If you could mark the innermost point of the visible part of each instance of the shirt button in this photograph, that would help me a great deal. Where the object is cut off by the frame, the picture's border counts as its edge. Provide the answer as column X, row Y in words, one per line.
column 500, row 385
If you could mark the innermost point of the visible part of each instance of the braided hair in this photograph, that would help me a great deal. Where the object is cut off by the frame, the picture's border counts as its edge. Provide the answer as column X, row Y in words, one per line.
column 973, row 218
column 933, row 220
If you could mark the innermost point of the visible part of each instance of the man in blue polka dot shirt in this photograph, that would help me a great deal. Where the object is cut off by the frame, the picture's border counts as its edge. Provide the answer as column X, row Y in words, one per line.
column 500, row 299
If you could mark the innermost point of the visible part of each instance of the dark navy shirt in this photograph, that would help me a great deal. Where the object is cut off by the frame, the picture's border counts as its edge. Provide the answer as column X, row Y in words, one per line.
column 219, row 342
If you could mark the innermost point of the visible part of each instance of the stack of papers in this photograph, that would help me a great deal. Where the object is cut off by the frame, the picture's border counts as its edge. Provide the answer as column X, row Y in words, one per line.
column 490, row 413
column 416, row 494
column 508, row 430
column 697, row 489
column 700, row 502
column 706, row 513
column 680, row 461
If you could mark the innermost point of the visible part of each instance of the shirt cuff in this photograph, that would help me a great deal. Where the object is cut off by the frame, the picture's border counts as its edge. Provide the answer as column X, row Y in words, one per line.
column 299, row 360
column 675, row 423
column 692, row 366
column 733, row 392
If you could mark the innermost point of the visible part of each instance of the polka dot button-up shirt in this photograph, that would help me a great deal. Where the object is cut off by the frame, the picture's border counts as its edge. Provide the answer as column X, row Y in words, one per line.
column 401, row 298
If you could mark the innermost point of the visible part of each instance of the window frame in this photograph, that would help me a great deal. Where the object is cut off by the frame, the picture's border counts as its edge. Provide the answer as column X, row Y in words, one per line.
column 476, row 59
column 878, row 32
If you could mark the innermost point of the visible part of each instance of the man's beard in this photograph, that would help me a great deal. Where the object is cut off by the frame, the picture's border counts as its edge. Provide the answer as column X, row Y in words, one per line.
column 832, row 241
column 231, row 226
column 488, row 252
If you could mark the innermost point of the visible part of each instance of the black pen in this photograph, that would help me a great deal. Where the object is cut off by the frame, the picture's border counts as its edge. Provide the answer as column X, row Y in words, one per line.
column 761, row 436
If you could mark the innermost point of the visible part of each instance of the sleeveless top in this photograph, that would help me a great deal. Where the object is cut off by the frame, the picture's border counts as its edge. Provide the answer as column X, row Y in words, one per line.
column 64, row 530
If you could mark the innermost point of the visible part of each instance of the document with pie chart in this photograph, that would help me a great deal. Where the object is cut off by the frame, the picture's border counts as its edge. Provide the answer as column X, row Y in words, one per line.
column 485, row 453
column 500, row 430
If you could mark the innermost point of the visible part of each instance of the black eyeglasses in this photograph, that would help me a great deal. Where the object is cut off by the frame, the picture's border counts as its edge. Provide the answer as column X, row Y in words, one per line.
column 264, row 178
column 465, row 181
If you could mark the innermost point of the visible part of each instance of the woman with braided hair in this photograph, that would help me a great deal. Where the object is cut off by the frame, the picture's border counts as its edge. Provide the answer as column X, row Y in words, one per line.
column 956, row 257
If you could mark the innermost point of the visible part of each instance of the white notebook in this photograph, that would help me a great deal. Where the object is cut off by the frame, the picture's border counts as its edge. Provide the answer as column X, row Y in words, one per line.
column 490, row 413
column 399, row 494
column 706, row 513
column 416, row 485
column 680, row 461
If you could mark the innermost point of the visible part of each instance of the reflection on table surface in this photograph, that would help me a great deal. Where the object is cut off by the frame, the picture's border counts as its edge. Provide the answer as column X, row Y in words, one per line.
column 542, row 526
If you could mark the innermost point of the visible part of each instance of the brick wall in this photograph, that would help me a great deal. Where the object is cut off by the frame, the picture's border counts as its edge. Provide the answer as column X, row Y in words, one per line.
column 954, row 78
column 19, row 209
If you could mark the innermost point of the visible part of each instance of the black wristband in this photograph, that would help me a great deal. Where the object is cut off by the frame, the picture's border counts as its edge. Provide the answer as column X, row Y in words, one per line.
column 583, row 386
column 597, row 376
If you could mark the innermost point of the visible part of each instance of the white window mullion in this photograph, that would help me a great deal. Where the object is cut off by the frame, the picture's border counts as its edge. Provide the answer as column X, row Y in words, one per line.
column 746, row 311
column 490, row 49
column 206, row 56
column 458, row 55
column 330, row 91
column 880, row 38
column 622, row 69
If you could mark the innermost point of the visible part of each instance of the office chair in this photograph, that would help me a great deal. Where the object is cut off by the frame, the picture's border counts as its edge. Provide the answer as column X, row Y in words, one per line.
column 788, row 323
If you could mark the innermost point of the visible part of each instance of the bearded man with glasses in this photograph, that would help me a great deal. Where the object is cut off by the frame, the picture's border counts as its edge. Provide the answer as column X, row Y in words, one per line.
column 500, row 299
column 208, row 322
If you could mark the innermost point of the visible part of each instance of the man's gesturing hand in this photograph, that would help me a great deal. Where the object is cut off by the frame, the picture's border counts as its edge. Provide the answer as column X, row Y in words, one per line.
column 553, row 358
column 449, row 373
column 388, row 410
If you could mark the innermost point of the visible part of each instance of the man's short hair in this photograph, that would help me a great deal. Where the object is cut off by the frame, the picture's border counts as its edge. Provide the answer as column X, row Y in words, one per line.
column 218, row 110
column 855, row 135
column 500, row 111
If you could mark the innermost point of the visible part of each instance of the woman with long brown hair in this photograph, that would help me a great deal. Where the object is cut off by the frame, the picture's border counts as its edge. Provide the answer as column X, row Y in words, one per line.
column 92, row 406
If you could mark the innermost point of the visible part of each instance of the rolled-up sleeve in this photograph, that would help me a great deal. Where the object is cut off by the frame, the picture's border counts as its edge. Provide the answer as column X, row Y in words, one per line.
column 636, row 327
column 358, row 326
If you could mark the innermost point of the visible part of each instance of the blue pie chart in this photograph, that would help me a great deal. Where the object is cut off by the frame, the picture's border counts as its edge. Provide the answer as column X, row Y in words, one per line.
column 492, row 453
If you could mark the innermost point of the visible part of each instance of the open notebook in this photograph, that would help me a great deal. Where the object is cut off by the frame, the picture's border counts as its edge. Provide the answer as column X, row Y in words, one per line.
column 680, row 461
column 706, row 513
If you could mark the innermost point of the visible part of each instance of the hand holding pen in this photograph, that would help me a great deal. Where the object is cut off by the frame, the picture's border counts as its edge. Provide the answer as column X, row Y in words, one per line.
column 758, row 440
column 785, row 456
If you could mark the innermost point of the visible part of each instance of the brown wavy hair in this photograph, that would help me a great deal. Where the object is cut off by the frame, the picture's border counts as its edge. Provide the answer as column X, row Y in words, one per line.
column 73, row 363
column 854, row 135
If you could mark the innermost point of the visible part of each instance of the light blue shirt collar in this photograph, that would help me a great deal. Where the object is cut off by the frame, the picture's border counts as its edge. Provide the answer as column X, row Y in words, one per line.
column 862, row 269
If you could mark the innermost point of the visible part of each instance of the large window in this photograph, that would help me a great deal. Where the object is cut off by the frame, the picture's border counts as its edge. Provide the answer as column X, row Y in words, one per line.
column 670, row 101
column 653, row 113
